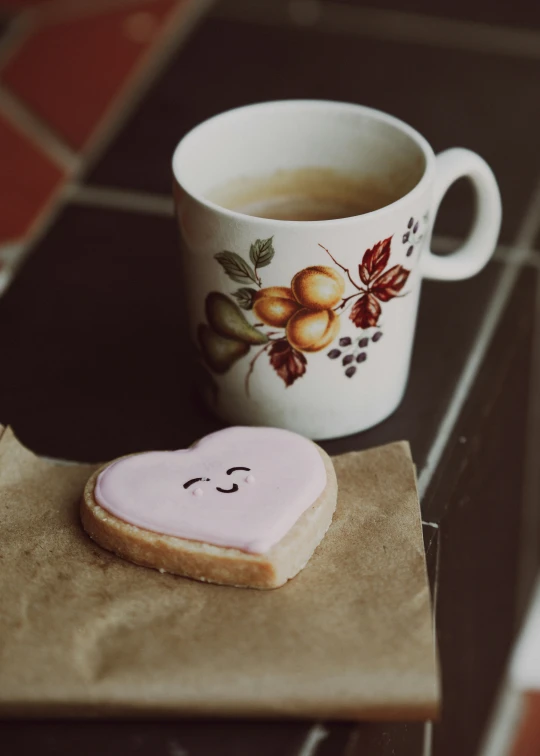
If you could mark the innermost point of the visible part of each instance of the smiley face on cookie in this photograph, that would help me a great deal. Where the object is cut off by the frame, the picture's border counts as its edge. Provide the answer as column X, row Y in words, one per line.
column 234, row 488
column 273, row 476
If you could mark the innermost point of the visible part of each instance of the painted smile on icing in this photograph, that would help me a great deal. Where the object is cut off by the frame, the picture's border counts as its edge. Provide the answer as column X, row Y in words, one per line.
column 169, row 493
column 234, row 489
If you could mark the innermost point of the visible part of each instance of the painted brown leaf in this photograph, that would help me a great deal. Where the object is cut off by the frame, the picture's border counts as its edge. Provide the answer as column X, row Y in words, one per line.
column 365, row 312
column 288, row 362
column 375, row 260
column 389, row 285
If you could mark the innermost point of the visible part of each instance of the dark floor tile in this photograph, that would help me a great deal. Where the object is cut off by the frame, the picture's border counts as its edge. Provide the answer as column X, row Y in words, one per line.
column 136, row 738
column 377, row 739
column 478, row 488
column 4, row 23
column 480, row 101
column 524, row 13
column 95, row 354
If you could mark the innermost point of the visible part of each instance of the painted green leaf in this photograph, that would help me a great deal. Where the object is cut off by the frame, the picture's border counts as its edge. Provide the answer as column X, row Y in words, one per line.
column 235, row 267
column 244, row 297
column 261, row 252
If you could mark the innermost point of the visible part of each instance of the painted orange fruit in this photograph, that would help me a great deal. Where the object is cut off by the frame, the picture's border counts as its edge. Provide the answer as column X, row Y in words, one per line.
column 275, row 305
column 318, row 287
column 310, row 330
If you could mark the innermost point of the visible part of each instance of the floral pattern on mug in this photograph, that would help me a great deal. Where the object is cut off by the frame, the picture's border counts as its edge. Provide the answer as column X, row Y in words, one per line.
column 289, row 322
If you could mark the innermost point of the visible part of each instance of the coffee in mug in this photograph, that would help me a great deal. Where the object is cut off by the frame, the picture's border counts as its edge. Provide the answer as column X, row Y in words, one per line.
column 306, row 194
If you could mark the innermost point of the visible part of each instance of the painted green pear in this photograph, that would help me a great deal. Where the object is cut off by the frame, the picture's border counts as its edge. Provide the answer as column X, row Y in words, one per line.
column 227, row 319
column 218, row 352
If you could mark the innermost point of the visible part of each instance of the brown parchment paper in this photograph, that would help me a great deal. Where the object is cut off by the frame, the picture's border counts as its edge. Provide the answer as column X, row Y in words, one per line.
column 84, row 633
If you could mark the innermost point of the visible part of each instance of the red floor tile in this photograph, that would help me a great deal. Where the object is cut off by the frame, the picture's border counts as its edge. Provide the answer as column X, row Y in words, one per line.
column 70, row 72
column 528, row 739
column 28, row 181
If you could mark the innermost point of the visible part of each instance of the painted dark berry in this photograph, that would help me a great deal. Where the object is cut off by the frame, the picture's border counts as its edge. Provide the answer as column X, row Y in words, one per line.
column 363, row 343
column 409, row 224
column 347, row 359
column 345, row 341
column 405, row 238
column 334, row 354
column 362, row 357
column 350, row 372
column 410, row 251
column 415, row 229
column 377, row 336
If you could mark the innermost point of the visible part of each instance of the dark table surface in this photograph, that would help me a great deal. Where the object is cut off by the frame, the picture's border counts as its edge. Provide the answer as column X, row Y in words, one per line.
column 95, row 360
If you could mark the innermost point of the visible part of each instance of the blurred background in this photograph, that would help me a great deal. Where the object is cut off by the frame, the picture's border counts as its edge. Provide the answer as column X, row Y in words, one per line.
column 94, row 96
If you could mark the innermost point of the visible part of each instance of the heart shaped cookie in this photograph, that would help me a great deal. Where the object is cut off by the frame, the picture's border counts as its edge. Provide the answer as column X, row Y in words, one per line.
column 243, row 506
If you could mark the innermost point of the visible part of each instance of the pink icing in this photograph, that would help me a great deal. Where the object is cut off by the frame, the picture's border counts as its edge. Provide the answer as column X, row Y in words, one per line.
column 285, row 476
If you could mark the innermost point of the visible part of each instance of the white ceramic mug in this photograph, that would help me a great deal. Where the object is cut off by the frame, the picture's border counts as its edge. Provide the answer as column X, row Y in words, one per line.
column 334, row 356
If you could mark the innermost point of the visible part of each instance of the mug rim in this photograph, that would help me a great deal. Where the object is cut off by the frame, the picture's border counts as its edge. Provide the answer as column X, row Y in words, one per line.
column 296, row 104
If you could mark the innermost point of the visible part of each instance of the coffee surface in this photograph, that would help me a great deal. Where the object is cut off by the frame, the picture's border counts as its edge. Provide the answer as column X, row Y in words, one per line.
column 305, row 194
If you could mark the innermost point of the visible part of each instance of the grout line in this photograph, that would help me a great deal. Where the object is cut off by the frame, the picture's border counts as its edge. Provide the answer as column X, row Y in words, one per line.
column 18, row 251
column 528, row 257
column 504, row 721
column 122, row 199
column 179, row 26
column 474, row 361
column 397, row 26
column 503, row 253
column 18, row 29
column 316, row 734
column 58, row 11
column 530, row 524
column 10, row 253
column 5, row 278
column 531, row 222
column 503, row 724
column 162, row 204
column 427, row 745
column 518, row 255
column 37, row 131
column 350, row 745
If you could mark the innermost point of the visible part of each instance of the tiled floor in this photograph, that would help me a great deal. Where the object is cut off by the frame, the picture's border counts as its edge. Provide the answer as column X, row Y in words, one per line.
column 73, row 98
column 68, row 72
column 93, row 342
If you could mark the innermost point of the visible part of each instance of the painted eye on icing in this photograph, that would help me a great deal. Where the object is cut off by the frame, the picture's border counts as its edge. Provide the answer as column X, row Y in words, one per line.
column 189, row 483
column 232, row 469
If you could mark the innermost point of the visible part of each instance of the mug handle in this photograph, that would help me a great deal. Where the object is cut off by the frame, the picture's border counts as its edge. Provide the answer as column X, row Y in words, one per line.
column 469, row 258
